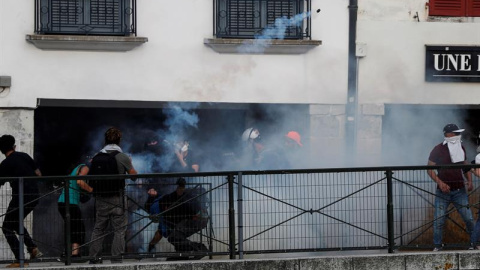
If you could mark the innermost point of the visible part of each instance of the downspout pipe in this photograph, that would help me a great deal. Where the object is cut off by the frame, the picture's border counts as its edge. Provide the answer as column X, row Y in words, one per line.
column 352, row 94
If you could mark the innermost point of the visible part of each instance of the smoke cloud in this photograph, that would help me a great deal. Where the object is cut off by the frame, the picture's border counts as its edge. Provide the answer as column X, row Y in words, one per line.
column 271, row 32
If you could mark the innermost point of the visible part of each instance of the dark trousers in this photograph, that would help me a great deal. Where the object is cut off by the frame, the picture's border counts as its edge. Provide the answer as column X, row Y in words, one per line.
column 11, row 225
column 77, row 229
column 183, row 230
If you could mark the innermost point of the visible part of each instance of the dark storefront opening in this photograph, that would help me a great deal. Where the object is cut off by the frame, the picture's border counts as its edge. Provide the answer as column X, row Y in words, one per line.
column 65, row 130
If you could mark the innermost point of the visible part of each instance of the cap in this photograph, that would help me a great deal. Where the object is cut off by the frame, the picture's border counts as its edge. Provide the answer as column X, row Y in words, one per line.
column 181, row 182
column 294, row 136
column 452, row 128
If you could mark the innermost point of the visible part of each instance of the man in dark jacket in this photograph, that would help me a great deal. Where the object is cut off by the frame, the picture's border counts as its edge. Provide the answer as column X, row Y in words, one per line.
column 181, row 217
column 18, row 164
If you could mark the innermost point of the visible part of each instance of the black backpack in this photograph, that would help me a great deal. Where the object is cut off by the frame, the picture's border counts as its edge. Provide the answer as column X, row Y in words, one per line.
column 106, row 164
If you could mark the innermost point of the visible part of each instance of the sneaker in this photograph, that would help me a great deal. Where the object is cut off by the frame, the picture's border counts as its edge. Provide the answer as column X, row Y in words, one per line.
column 151, row 248
column 96, row 261
column 35, row 253
column 16, row 265
column 437, row 249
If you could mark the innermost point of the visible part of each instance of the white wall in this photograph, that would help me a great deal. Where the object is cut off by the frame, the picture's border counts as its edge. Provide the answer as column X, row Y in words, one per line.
column 394, row 69
column 175, row 65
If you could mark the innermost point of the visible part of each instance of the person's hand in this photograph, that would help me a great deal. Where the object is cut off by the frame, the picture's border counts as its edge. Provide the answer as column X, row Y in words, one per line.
column 443, row 187
column 152, row 192
column 469, row 186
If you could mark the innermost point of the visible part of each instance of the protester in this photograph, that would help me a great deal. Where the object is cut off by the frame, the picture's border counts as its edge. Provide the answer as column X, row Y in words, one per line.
column 249, row 152
column 18, row 164
column 75, row 187
column 476, row 229
column 179, row 157
column 180, row 215
column 282, row 153
column 110, row 203
column 450, row 182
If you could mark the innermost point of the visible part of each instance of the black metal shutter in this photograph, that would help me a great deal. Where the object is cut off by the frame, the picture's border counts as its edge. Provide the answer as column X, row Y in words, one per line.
column 242, row 17
column 284, row 9
column 101, row 17
column 105, row 12
column 65, row 15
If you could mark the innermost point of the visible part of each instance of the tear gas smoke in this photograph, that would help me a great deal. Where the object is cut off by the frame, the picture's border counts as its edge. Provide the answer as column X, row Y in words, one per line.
column 275, row 31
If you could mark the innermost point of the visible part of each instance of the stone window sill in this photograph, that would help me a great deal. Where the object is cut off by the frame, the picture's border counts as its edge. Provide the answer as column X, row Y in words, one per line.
column 259, row 46
column 85, row 43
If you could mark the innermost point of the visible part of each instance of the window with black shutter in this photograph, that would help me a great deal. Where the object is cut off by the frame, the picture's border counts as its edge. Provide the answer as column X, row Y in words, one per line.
column 454, row 8
column 249, row 18
column 85, row 17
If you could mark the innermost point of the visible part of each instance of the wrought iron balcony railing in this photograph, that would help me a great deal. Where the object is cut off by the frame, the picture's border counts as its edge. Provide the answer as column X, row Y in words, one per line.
column 273, row 19
column 85, row 17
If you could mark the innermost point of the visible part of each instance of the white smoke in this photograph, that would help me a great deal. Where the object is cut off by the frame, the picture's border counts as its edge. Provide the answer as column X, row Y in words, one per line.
column 271, row 32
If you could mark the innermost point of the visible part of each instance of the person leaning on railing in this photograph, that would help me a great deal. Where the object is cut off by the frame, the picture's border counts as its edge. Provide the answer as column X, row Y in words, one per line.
column 450, row 182
column 18, row 164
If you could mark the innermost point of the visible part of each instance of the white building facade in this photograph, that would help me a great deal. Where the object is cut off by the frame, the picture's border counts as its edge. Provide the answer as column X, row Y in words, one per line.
column 172, row 52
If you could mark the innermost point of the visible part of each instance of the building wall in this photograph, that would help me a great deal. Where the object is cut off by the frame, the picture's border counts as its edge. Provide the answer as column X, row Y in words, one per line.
column 394, row 69
column 175, row 65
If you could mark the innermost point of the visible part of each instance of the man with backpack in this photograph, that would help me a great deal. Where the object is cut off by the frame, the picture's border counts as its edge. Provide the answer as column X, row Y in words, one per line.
column 110, row 203
column 180, row 214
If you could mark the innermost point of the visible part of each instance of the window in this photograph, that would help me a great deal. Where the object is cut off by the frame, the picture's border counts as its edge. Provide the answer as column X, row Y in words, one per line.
column 248, row 18
column 455, row 8
column 85, row 17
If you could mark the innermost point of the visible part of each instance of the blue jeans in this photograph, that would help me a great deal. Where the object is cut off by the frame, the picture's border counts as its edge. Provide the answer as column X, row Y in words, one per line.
column 459, row 198
column 476, row 232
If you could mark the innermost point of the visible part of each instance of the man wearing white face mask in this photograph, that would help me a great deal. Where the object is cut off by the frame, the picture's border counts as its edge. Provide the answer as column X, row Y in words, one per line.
column 450, row 182
column 251, row 148
column 184, row 161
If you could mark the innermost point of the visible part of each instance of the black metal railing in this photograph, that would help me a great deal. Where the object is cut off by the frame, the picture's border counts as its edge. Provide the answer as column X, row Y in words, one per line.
column 265, row 19
column 255, row 212
column 85, row 17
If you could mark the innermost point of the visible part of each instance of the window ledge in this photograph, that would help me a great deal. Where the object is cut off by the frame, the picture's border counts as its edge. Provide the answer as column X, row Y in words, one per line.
column 85, row 43
column 261, row 46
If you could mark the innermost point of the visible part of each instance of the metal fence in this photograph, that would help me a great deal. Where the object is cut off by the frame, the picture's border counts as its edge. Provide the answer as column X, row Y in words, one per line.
column 252, row 212
column 249, row 18
column 85, row 17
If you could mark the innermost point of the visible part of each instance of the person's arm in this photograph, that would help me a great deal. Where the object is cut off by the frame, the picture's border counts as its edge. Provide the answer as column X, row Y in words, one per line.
column 126, row 161
column 443, row 187
column 179, row 156
column 132, row 171
column 476, row 171
column 82, row 184
column 152, row 195
column 196, row 167
column 468, row 175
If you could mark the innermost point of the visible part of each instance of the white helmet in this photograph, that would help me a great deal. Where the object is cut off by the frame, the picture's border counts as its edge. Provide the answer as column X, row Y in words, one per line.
column 250, row 133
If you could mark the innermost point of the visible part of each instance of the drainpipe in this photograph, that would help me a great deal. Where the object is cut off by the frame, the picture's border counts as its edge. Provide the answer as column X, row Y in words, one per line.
column 352, row 94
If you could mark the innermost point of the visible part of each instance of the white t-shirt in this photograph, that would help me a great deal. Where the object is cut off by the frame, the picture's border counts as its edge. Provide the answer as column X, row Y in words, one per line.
column 477, row 159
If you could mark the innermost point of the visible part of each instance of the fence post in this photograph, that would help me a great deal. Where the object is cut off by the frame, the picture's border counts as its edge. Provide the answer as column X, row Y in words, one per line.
column 240, row 215
column 21, row 212
column 231, row 217
column 391, row 243
column 68, row 244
